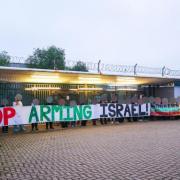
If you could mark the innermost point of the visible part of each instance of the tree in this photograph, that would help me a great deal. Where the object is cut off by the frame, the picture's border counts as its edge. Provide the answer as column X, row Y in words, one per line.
column 79, row 66
column 4, row 58
column 50, row 58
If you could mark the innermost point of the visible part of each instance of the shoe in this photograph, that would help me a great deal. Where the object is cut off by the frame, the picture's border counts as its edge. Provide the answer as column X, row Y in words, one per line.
column 23, row 129
column 4, row 132
column 51, row 127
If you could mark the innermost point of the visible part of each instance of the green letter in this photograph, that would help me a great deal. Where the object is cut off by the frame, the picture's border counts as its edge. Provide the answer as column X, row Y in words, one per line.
column 87, row 112
column 68, row 118
column 77, row 113
column 33, row 114
column 43, row 114
column 56, row 109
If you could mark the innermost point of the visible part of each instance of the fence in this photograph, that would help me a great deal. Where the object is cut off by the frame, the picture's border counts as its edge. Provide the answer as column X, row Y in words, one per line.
column 112, row 68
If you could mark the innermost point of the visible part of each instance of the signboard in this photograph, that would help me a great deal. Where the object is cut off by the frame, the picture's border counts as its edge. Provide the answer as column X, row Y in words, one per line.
column 165, row 110
column 51, row 113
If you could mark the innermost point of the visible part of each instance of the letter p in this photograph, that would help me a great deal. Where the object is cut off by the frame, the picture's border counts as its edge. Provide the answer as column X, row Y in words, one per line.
column 8, row 113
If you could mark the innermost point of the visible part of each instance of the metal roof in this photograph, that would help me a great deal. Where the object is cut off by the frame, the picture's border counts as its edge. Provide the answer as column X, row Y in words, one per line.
column 31, row 75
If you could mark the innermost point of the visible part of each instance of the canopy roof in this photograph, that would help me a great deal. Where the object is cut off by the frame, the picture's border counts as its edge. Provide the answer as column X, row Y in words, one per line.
column 29, row 75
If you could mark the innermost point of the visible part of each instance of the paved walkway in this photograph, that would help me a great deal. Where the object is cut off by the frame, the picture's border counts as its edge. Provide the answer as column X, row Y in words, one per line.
column 142, row 150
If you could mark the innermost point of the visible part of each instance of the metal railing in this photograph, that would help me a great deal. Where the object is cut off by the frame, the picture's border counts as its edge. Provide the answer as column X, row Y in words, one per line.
column 16, row 59
column 112, row 68
column 125, row 69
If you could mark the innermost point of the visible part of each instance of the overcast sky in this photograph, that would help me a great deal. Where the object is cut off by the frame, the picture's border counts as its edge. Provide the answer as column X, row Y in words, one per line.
column 146, row 32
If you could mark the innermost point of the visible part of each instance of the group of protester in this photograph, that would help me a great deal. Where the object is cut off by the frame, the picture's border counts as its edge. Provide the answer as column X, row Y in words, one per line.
column 49, row 125
column 16, row 128
column 34, row 126
column 19, row 128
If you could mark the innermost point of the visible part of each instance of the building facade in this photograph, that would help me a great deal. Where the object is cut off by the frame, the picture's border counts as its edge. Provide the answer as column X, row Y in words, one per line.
column 82, row 87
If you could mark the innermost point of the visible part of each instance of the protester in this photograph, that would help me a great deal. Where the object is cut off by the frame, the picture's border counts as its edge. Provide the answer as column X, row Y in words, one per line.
column 113, row 120
column 49, row 124
column 62, row 102
column 83, row 122
column 49, row 102
column 18, row 102
column 4, row 128
column 73, row 103
column 35, row 125
column 103, row 120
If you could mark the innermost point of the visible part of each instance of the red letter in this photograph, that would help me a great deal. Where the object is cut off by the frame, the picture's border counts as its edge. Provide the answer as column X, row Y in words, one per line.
column 8, row 113
column 1, row 116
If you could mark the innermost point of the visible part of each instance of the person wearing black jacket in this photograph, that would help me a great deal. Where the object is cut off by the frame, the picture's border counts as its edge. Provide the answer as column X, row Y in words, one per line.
column 83, row 122
column 4, row 128
column 35, row 125
column 49, row 124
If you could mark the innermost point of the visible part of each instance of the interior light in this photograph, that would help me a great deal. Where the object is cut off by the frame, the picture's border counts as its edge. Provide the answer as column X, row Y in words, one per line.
column 126, row 80
column 93, row 89
column 126, row 89
column 90, row 79
column 87, row 89
column 42, row 88
column 109, row 89
column 44, row 77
